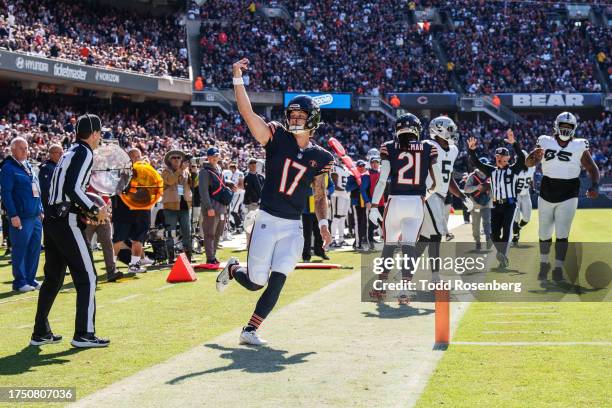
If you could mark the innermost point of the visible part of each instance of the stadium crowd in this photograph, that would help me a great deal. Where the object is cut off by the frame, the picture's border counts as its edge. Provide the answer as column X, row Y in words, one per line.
column 327, row 46
column 95, row 35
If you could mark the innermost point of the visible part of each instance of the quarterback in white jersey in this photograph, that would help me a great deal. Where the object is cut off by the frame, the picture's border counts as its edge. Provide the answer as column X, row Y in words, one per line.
column 523, row 183
column 562, row 156
column 340, row 203
column 442, row 131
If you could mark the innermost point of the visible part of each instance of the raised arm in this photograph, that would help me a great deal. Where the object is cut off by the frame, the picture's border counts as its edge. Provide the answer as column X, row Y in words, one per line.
column 485, row 168
column 258, row 127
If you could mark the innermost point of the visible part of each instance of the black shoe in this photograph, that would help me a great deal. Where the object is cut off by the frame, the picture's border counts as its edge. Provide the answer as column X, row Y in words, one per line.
column 478, row 246
column 323, row 256
column 557, row 275
column 503, row 260
column 306, row 260
column 515, row 239
column 89, row 341
column 46, row 339
column 544, row 268
column 114, row 275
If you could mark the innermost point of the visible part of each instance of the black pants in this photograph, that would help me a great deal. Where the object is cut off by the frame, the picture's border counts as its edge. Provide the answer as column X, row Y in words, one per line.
column 65, row 246
column 502, row 216
column 311, row 227
column 361, row 233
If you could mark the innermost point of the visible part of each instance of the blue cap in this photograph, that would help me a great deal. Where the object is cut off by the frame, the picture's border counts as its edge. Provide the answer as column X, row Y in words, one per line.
column 484, row 160
column 212, row 151
column 361, row 163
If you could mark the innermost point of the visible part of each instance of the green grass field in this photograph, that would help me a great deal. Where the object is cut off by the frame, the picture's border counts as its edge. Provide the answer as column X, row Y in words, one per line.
column 149, row 321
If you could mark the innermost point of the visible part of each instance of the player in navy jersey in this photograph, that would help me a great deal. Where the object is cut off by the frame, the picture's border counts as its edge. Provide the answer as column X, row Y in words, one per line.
column 407, row 161
column 293, row 164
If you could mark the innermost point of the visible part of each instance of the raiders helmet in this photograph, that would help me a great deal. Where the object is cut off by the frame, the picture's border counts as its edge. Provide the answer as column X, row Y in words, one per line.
column 565, row 126
column 444, row 128
column 306, row 104
column 408, row 128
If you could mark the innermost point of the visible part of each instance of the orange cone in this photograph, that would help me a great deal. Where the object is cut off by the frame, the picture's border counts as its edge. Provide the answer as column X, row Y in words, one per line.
column 182, row 271
column 442, row 317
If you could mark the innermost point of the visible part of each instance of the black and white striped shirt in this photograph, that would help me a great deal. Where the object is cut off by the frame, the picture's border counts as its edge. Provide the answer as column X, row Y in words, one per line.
column 503, row 182
column 71, row 177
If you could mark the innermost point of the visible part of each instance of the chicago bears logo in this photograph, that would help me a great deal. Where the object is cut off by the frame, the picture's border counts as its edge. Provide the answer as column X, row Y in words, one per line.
column 313, row 163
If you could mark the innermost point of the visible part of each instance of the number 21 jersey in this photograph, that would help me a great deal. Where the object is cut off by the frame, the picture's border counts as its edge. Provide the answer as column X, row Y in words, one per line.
column 409, row 166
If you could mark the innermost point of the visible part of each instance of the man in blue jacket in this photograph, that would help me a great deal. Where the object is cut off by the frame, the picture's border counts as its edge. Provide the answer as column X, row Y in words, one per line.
column 21, row 198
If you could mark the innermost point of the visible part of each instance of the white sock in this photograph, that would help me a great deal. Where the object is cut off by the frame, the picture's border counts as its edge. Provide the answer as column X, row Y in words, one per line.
column 134, row 260
column 558, row 263
column 544, row 258
column 115, row 258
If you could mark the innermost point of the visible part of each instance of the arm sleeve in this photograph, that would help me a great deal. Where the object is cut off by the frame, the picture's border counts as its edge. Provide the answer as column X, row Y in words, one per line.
column 203, row 187
column 485, row 168
column 75, row 175
column 519, row 165
column 365, row 188
column 7, row 183
column 351, row 183
column 379, row 189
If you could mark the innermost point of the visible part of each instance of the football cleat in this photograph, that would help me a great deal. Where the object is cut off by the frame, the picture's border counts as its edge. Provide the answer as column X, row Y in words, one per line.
column 251, row 338
column 544, row 268
column 224, row 277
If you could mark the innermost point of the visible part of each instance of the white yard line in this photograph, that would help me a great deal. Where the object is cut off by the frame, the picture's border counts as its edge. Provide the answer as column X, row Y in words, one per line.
column 127, row 298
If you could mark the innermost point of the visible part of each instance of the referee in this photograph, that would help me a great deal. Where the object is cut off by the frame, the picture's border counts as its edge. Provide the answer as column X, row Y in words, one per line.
column 64, row 240
column 503, row 192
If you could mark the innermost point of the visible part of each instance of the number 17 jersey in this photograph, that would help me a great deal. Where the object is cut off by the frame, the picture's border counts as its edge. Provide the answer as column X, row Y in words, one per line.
column 289, row 173
column 409, row 166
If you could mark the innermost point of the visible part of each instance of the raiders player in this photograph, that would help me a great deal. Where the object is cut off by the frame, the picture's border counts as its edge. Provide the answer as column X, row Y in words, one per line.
column 442, row 133
column 408, row 162
column 340, row 203
column 293, row 164
column 524, row 182
column 562, row 157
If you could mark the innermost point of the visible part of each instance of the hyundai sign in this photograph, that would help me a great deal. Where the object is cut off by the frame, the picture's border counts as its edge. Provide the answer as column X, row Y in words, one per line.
column 325, row 100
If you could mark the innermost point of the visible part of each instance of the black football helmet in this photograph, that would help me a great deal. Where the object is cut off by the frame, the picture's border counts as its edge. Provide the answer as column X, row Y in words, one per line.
column 306, row 104
column 408, row 128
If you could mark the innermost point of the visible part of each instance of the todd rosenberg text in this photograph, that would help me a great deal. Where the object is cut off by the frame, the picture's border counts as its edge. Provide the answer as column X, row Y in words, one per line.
column 453, row 284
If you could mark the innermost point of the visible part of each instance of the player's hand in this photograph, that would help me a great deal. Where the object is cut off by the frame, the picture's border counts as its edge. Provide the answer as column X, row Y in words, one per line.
column 592, row 194
column 16, row 222
column 468, row 204
column 538, row 154
column 368, row 206
column 375, row 216
column 103, row 214
column 239, row 67
column 210, row 213
column 472, row 143
column 325, row 235
column 510, row 137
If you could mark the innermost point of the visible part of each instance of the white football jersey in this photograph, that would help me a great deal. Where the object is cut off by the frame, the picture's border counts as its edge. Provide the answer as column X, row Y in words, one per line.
column 343, row 175
column 523, row 180
column 443, row 168
column 562, row 162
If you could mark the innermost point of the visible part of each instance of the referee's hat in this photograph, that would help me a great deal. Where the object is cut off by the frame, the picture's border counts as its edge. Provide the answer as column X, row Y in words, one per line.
column 89, row 123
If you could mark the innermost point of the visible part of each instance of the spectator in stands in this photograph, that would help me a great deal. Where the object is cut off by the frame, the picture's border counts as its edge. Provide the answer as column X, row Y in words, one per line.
column 21, row 197
column 176, row 198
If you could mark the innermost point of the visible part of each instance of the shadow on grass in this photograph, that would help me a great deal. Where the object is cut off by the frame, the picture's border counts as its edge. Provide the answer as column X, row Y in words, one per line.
column 69, row 285
column 250, row 360
column 30, row 357
column 385, row 311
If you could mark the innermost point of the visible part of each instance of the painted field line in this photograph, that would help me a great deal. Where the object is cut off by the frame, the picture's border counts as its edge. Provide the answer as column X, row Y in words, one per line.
column 532, row 343
column 125, row 299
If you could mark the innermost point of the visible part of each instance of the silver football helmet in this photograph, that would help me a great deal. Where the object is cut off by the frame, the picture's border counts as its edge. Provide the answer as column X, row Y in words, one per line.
column 565, row 126
column 444, row 128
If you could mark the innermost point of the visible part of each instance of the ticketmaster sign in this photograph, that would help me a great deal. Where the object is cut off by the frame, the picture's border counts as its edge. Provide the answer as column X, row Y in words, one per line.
column 61, row 70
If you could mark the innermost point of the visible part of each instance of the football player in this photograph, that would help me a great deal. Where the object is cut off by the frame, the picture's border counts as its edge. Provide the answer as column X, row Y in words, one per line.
column 340, row 203
column 562, row 156
column 408, row 162
column 524, row 183
column 443, row 134
column 293, row 163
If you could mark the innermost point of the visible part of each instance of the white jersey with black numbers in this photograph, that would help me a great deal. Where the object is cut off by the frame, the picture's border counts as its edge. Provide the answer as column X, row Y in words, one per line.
column 524, row 180
column 561, row 168
column 343, row 175
column 562, row 162
column 443, row 168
